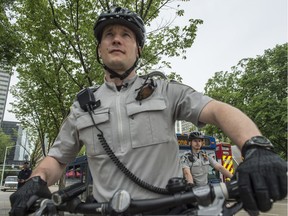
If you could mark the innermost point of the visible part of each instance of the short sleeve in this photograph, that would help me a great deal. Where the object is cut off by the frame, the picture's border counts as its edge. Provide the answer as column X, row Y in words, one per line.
column 189, row 103
column 184, row 160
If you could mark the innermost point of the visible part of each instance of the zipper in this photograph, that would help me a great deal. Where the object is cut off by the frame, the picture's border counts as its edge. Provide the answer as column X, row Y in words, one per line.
column 119, row 118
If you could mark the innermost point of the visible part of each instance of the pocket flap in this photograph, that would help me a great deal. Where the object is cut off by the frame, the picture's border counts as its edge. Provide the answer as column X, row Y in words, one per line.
column 99, row 116
column 149, row 105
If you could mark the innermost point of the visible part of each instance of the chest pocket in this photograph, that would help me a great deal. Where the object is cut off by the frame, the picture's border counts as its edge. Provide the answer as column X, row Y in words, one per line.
column 88, row 132
column 148, row 122
column 200, row 166
column 205, row 162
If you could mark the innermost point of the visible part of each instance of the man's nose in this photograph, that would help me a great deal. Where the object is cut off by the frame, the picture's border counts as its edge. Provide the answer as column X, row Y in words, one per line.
column 116, row 39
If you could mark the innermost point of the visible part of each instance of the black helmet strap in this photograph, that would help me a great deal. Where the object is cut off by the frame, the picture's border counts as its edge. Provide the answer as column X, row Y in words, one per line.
column 113, row 74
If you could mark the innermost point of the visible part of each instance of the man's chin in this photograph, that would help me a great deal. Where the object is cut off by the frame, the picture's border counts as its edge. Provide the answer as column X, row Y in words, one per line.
column 118, row 67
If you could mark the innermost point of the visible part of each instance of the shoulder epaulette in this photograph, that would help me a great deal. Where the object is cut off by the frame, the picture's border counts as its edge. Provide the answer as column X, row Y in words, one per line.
column 94, row 88
column 154, row 74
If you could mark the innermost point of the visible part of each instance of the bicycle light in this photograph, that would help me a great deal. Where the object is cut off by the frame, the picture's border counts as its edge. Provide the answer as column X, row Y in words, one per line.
column 120, row 201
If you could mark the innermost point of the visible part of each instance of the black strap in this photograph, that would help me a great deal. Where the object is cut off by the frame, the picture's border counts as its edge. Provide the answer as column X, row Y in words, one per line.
column 113, row 74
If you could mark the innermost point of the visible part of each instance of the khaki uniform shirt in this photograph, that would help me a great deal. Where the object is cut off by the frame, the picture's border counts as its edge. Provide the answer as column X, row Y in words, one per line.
column 141, row 135
column 199, row 166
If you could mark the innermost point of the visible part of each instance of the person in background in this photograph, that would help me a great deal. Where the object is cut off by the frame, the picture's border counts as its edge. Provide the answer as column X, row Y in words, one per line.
column 131, row 120
column 195, row 164
column 24, row 174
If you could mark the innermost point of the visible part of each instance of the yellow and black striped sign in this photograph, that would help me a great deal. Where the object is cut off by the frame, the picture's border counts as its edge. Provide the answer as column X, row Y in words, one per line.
column 228, row 163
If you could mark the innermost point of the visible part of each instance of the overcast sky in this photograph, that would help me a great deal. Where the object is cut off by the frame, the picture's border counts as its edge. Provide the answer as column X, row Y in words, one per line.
column 232, row 30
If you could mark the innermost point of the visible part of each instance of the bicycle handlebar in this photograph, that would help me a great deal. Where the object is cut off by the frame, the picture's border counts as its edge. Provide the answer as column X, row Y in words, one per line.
column 67, row 193
column 210, row 200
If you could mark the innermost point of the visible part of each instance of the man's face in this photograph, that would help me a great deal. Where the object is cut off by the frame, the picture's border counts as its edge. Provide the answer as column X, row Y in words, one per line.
column 118, row 48
column 196, row 144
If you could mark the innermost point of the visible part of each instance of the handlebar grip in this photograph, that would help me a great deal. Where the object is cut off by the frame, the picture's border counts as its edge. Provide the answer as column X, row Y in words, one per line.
column 68, row 193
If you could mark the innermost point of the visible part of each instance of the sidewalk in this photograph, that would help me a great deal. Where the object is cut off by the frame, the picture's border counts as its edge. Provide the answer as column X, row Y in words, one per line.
column 5, row 207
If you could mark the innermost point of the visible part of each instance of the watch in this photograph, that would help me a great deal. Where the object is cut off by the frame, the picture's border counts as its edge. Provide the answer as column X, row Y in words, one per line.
column 256, row 141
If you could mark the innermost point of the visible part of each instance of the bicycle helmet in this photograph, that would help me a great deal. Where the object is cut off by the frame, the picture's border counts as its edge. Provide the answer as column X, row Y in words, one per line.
column 131, row 20
column 122, row 16
column 196, row 135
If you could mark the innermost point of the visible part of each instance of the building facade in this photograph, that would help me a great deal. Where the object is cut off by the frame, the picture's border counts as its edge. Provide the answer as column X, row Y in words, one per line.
column 19, row 138
column 11, row 128
column 184, row 127
column 4, row 88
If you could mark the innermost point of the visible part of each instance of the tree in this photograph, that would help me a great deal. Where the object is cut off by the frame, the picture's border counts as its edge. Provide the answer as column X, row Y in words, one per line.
column 9, row 39
column 5, row 140
column 258, row 86
column 59, row 58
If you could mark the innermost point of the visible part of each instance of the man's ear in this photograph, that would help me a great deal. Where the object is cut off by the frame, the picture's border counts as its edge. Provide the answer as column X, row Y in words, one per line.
column 98, row 50
column 139, row 51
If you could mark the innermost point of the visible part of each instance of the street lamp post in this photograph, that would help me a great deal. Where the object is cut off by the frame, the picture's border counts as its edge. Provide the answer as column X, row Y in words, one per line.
column 4, row 163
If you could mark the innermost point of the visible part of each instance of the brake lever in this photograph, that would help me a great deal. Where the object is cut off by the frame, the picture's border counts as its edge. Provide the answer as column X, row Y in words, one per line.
column 216, row 207
column 47, row 205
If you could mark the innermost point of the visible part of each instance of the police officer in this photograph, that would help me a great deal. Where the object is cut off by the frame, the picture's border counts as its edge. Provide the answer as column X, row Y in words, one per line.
column 132, row 121
column 24, row 174
column 195, row 164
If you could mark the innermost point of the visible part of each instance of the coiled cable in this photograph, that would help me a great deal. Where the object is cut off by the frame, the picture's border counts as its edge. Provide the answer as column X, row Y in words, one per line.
column 121, row 166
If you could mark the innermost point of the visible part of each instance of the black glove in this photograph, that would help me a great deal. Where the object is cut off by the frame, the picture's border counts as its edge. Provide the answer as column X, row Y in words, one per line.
column 22, row 199
column 262, row 179
column 190, row 186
